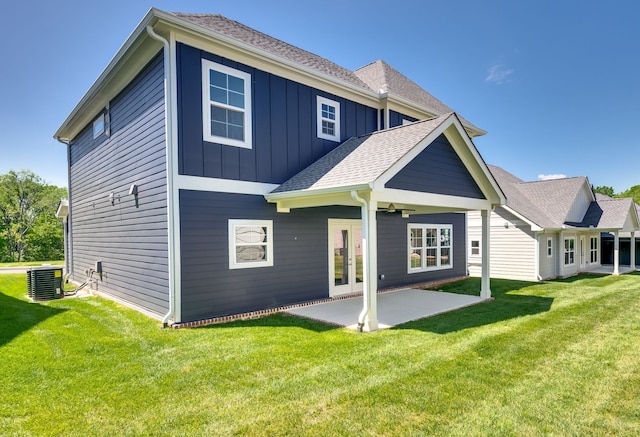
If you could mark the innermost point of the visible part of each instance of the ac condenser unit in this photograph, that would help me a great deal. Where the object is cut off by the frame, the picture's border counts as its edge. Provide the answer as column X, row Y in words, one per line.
column 44, row 283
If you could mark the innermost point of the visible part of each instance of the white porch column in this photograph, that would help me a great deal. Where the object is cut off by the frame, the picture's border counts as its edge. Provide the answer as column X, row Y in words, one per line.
column 485, row 287
column 633, row 250
column 616, row 253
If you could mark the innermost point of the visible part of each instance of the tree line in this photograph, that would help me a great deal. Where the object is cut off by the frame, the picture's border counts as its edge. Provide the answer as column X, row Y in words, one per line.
column 29, row 228
column 633, row 192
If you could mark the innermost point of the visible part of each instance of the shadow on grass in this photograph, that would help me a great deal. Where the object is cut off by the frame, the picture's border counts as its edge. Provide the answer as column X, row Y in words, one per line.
column 18, row 316
column 278, row 320
column 507, row 304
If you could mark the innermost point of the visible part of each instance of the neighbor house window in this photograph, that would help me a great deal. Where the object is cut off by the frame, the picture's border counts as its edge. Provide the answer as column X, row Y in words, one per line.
column 250, row 243
column 569, row 251
column 430, row 247
column 328, row 119
column 98, row 126
column 593, row 250
column 475, row 247
column 549, row 247
column 226, row 105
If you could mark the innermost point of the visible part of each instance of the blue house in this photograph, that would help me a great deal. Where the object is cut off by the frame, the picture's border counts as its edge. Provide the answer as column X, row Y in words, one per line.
column 215, row 171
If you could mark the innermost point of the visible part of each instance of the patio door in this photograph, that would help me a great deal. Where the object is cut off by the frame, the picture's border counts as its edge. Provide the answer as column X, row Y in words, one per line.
column 345, row 257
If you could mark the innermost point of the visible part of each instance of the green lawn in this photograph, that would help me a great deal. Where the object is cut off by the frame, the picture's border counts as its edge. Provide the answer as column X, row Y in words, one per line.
column 559, row 358
column 33, row 263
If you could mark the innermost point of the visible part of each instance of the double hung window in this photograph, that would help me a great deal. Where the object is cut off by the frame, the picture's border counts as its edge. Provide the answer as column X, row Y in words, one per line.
column 250, row 243
column 430, row 247
column 226, row 99
column 328, row 125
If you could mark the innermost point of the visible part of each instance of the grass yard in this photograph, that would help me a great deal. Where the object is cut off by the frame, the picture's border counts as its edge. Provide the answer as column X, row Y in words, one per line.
column 33, row 263
column 559, row 358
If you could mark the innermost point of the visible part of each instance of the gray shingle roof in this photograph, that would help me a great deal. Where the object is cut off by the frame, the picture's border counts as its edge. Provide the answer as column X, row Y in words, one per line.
column 362, row 160
column 547, row 203
column 380, row 76
column 373, row 77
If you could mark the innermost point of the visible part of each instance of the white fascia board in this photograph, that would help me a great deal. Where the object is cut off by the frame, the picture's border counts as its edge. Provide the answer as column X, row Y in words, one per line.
column 197, row 183
column 99, row 95
column 442, row 201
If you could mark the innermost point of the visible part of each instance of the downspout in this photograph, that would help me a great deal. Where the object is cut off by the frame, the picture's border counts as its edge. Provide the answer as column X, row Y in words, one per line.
column 67, row 225
column 365, row 264
column 168, row 105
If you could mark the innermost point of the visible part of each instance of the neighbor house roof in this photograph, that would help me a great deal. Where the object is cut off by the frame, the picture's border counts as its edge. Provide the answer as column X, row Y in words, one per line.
column 547, row 204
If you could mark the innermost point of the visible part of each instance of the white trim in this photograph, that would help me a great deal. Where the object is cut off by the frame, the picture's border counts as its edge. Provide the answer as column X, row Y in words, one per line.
column 232, row 241
column 207, row 103
column 98, row 125
column 352, row 225
column 197, row 183
column 438, row 247
column 320, row 119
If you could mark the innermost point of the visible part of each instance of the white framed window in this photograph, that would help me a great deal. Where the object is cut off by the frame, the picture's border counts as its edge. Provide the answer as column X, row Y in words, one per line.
column 593, row 250
column 98, row 126
column 226, row 105
column 250, row 243
column 328, row 119
column 475, row 247
column 549, row 247
column 429, row 247
column 569, row 251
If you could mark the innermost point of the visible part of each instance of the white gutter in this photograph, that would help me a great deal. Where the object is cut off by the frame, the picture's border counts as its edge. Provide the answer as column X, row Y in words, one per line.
column 168, row 108
column 365, row 265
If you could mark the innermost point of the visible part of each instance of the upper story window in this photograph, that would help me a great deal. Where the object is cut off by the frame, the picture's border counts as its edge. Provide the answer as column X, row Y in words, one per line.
column 328, row 119
column 226, row 100
column 430, row 247
column 98, row 126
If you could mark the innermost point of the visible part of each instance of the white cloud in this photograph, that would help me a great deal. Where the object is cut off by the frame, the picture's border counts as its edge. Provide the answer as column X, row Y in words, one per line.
column 548, row 177
column 498, row 74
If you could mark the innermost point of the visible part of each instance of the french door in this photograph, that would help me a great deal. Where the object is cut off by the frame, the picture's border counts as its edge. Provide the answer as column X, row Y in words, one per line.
column 345, row 257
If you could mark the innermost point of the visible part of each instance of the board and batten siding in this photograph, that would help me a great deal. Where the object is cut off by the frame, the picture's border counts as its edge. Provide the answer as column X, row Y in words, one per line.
column 129, row 235
column 437, row 169
column 284, row 117
column 512, row 246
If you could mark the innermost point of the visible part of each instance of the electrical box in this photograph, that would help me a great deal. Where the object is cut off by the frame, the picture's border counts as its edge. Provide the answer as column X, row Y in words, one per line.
column 45, row 283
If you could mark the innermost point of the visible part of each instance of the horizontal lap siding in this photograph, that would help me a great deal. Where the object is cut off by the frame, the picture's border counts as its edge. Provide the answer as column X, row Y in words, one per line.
column 284, row 116
column 130, row 240
column 300, row 270
column 512, row 248
column 437, row 169
column 393, row 249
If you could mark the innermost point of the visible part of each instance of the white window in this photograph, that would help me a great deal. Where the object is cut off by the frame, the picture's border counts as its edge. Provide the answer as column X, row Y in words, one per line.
column 226, row 105
column 98, row 126
column 250, row 243
column 569, row 251
column 429, row 247
column 549, row 247
column 328, row 119
column 475, row 247
column 593, row 250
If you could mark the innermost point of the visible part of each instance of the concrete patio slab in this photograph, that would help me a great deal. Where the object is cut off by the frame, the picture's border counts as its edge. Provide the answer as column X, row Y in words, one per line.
column 394, row 308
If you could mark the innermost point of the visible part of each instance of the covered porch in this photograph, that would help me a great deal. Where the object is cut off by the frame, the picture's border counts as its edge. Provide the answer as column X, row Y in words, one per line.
column 427, row 167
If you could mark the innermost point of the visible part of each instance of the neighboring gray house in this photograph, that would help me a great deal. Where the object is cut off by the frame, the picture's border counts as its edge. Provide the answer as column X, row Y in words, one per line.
column 217, row 171
column 550, row 229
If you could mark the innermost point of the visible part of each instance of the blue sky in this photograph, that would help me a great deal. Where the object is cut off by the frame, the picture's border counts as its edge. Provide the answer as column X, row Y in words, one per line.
column 555, row 83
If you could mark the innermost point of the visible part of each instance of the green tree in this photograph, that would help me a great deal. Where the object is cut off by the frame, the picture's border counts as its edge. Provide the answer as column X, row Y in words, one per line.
column 604, row 189
column 631, row 192
column 27, row 216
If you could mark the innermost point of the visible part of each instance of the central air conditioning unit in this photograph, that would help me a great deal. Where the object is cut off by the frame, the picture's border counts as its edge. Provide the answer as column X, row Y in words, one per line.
column 44, row 283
